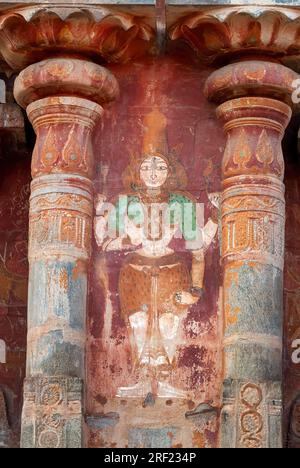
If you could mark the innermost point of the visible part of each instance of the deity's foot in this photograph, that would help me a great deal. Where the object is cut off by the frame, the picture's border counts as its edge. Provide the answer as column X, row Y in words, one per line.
column 142, row 389
column 166, row 390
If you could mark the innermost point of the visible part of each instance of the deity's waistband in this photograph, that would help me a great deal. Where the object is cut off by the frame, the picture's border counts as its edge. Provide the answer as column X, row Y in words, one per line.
column 141, row 260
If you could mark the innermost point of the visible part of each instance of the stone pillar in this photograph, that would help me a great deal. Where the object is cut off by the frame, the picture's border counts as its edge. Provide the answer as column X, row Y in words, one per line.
column 63, row 98
column 253, row 98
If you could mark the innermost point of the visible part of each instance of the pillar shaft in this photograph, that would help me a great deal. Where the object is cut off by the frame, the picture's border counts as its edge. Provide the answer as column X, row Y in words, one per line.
column 61, row 207
column 60, row 229
column 253, row 221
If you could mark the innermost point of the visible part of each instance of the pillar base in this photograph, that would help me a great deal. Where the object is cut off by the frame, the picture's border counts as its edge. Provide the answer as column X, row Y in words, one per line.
column 251, row 415
column 52, row 413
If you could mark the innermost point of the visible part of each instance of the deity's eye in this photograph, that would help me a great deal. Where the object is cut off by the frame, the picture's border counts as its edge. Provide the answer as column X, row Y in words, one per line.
column 145, row 168
column 162, row 167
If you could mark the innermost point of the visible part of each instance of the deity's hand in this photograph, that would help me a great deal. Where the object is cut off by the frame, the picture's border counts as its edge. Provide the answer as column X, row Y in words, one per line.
column 215, row 199
column 185, row 298
column 100, row 199
column 134, row 233
column 114, row 244
column 197, row 292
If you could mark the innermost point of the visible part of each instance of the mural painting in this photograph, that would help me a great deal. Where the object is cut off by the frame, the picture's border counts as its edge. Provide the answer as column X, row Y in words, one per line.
column 156, row 287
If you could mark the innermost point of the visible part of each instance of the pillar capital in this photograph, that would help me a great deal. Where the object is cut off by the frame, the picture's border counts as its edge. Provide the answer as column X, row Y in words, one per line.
column 63, row 126
column 251, row 78
column 254, row 127
column 65, row 77
column 63, row 98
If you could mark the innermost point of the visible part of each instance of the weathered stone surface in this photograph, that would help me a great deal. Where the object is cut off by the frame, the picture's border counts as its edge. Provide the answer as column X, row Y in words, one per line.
column 168, row 2
column 52, row 413
column 128, row 31
column 128, row 423
column 251, row 415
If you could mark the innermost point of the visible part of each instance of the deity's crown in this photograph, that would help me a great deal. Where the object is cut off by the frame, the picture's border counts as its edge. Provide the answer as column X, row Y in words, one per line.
column 155, row 140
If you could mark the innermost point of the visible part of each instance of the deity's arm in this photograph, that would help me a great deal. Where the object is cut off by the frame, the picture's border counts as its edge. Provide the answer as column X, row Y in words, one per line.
column 198, row 268
column 134, row 233
column 106, row 228
column 100, row 223
column 198, row 256
column 100, row 219
column 209, row 232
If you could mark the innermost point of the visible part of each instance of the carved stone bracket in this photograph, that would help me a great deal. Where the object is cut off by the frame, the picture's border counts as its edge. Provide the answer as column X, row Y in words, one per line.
column 225, row 34
column 29, row 35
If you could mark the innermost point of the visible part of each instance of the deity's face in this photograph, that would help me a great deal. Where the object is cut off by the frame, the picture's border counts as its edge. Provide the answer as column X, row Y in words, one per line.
column 154, row 172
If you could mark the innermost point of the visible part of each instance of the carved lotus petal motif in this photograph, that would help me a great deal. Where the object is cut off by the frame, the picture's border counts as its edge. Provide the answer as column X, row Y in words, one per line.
column 264, row 150
column 114, row 38
column 237, row 31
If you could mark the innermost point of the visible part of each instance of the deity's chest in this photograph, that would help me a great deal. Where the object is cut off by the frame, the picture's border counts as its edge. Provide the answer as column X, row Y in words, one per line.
column 153, row 218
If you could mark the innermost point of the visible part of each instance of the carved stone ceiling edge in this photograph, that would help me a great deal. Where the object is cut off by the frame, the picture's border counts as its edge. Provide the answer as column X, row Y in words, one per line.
column 115, row 33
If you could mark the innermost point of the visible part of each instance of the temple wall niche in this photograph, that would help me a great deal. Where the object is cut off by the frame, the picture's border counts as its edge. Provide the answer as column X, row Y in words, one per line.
column 174, row 87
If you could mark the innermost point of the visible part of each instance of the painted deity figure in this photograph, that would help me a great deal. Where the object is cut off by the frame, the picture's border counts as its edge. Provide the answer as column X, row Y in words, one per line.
column 156, row 287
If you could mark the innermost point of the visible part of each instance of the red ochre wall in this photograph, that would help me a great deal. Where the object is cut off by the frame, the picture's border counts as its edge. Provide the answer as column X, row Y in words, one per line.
column 176, row 88
column 14, row 200
column 292, row 299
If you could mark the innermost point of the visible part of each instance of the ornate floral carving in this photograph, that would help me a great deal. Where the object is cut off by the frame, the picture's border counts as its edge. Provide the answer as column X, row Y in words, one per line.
column 60, row 216
column 51, row 394
column 59, row 236
column 242, row 152
column 253, row 206
column 63, row 127
column 227, row 33
column 49, row 403
column 264, row 151
column 255, row 127
column 251, row 418
column 253, row 225
column 114, row 37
